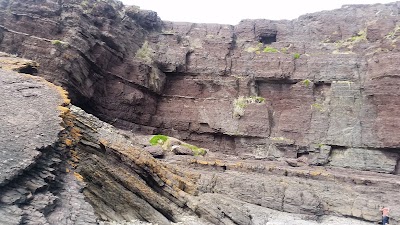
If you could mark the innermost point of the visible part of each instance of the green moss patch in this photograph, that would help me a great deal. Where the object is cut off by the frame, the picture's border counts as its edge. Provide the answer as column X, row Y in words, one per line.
column 260, row 48
column 306, row 82
column 269, row 49
column 196, row 150
column 145, row 53
column 158, row 139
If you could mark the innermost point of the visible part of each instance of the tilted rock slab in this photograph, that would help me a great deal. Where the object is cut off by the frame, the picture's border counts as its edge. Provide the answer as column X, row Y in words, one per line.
column 125, row 183
column 34, row 185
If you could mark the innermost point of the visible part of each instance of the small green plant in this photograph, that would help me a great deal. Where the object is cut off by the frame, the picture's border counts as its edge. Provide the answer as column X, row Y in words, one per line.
column 196, row 150
column 320, row 145
column 362, row 35
column 259, row 48
column 56, row 42
column 269, row 49
column 306, row 82
column 284, row 50
column 145, row 53
column 240, row 104
column 158, row 139
column 296, row 55
column 392, row 35
column 256, row 49
column 59, row 43
column 317, row 106
column 350, row 42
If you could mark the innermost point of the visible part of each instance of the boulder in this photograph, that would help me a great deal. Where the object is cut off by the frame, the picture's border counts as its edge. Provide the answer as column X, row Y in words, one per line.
column 156, row 151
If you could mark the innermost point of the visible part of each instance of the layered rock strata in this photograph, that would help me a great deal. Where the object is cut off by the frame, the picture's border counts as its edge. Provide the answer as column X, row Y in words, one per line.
column 88, row 47
column 35, row 187
column 321, row 81
column 323, row 84
column 124, row 182
column 300, row 117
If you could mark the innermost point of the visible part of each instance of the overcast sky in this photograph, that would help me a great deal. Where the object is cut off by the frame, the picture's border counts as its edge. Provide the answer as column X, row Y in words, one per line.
column 232, row 11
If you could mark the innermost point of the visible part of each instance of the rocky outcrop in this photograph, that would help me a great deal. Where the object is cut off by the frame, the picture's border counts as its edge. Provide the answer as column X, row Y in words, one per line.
column 321, row 82
column 324, row 83
column 300, row 117
column 125, row 183
column 35, row 187
column 88, row 47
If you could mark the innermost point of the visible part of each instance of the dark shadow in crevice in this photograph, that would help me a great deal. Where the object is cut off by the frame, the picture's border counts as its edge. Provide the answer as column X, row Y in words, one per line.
column 267, row 38
column 397, row 167
column 29, row 69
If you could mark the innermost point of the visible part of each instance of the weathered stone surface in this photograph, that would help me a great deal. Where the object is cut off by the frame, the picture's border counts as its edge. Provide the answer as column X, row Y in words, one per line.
column 330, row 93
column 216, row 189
column 364, row 159
column 156, row 151
column 90, row 48
column 27, row 125
column 322, row 81
column 182, row 150
column 133, row 185
column 34, row 185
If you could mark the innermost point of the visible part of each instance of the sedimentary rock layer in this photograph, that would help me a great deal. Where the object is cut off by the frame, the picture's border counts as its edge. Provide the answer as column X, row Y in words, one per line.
column 299, row 116
column 124, row 182
column 323, row 80
column 35, row 187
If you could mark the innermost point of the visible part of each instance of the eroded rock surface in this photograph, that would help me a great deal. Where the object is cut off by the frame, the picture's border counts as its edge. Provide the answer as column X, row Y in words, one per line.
column 90, row 48
column 34, row 185
column 300, row 117
column 324, row 82
column 125, row 183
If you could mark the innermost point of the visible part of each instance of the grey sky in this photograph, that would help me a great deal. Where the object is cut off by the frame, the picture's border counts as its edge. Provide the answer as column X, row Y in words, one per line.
column 231, row 12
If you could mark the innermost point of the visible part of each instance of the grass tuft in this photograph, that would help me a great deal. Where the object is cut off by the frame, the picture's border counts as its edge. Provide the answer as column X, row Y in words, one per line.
column 269, row 49
column 196, row 150
column 158, row 139
column 306, row 82
column 145, row 53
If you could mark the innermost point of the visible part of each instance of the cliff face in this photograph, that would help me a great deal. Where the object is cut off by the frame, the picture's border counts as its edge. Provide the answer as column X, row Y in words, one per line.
column 60, row 154
column 125, row 182
column 88, row 47
column 299, row 116
column 321, row 79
